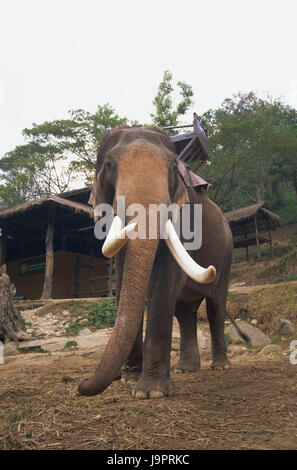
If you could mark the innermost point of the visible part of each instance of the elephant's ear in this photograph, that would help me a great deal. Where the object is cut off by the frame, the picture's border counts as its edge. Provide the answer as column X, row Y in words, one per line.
column 177, row 187
column 92, row 198
column 108, row 141
column 181, row 194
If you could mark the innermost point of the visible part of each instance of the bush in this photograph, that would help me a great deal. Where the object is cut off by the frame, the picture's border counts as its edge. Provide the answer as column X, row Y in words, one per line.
column 103, row 313
column 288, row 211
column 100, row 315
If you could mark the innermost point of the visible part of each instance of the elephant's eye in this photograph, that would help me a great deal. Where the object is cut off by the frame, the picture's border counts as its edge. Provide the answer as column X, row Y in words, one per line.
column 108, row 165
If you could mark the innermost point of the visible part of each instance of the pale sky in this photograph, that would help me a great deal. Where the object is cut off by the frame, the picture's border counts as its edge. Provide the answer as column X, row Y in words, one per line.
column 67, row 54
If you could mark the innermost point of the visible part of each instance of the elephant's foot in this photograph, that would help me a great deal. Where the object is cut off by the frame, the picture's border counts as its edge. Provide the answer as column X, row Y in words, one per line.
column 131, row 373
column 152, row 388
column 184, row 367
column 220, row 363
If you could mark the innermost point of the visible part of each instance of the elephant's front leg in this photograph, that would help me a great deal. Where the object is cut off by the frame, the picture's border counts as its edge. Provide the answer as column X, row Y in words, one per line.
column 166, row 284
column 132, row 368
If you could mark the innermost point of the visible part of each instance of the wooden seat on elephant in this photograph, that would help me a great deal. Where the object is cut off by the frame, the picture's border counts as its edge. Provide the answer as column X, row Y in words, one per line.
column 192, row 147
column 192, row 150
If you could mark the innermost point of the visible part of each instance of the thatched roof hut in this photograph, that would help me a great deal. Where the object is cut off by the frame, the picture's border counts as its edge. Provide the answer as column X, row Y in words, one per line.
column 54, row 199
column 47, row 235
column 247, row 222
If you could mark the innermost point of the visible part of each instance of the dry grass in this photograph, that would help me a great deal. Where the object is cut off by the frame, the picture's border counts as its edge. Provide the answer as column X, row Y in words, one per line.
column 266, row 303
column 253, row 405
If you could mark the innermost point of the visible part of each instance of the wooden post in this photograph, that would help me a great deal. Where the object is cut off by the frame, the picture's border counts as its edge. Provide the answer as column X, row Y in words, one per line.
column 77, row 272
column 110, row 264
column 270, row 240
column 3, row 245
column 247, row 253
column 49, row 263
column 91, row 280
column 247, row 247
column 257, row 236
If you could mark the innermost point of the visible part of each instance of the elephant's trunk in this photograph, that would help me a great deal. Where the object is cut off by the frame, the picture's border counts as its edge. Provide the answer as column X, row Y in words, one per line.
column 139, row 259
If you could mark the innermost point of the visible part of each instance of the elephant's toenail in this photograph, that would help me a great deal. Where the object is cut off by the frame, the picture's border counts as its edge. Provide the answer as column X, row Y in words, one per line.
column 140, row 395
column 156, row 394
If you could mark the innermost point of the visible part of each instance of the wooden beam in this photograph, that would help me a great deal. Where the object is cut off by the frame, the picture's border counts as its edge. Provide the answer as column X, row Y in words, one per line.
column 3, row 245
column 177, row 127
column 49, row 263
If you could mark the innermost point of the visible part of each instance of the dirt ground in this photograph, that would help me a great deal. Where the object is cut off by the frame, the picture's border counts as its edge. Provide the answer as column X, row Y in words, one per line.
column 253, row 405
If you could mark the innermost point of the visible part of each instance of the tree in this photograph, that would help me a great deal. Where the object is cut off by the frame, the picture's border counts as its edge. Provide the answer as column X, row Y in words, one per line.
column 58, row 155
column 166, row 114
column 9, row 315
column 253, row 146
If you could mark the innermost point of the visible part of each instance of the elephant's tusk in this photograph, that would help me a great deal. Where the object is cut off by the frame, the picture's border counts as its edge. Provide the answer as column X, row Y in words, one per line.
column 117, row 237
column 184, row 260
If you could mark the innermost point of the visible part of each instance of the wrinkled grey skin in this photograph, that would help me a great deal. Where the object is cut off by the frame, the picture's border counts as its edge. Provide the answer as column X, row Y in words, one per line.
column 140, row 164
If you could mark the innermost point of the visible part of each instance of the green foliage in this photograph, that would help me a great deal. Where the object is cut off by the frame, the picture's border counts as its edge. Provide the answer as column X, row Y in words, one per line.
column 253, row 145
column 290, row 277
column 228, row 339
column 22, row 323
column 287, row 209
column 102, row 314
column 165, row 113
column 34, row 349
column 74, row 327
column 70, row 344
column 56, row 154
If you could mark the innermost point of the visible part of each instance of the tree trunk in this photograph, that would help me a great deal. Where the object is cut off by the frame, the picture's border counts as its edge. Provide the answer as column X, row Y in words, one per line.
column 3, row 245
column 9, row 315
column 295, row 183
column 260, row 192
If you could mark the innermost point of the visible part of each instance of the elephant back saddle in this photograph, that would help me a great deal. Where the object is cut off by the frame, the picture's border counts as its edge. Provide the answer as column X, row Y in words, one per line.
column 190, row 178
column 192, row 150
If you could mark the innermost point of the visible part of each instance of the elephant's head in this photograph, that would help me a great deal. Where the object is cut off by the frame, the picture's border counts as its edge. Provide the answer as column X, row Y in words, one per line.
column 140, row 164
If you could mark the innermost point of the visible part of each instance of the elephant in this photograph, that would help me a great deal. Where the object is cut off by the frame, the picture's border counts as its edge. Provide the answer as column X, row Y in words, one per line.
column 140, row 163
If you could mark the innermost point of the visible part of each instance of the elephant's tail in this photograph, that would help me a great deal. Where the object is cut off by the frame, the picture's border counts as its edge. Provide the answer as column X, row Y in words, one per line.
column 245, row 337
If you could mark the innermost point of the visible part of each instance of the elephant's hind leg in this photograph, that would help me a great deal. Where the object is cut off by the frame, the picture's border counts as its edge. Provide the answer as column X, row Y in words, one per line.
column 189, row 360
column 216, row 310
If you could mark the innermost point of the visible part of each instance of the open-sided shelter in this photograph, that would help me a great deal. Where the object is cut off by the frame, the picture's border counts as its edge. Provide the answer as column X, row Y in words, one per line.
column 50, row 250
column 248, row 225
